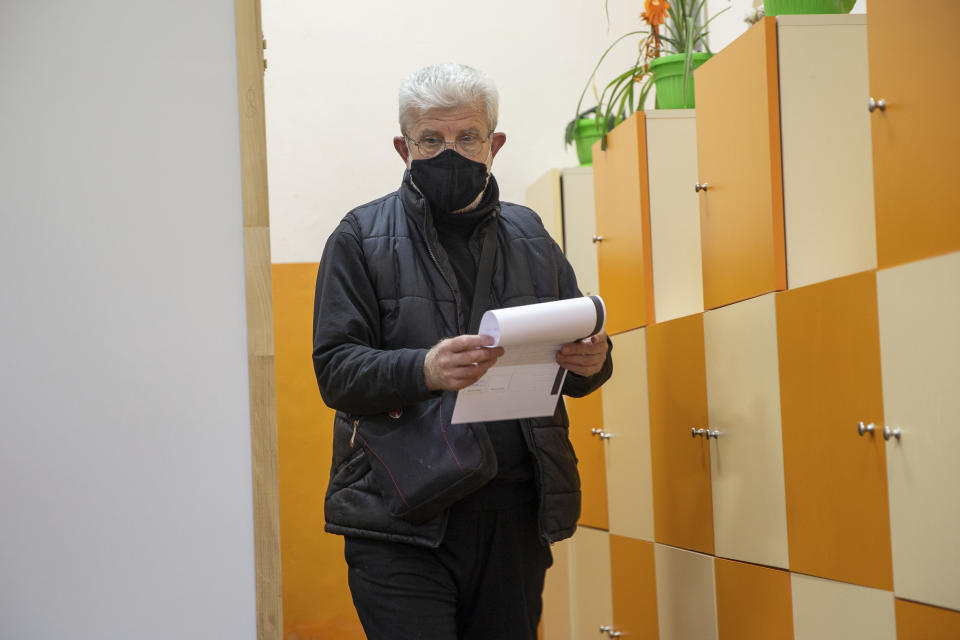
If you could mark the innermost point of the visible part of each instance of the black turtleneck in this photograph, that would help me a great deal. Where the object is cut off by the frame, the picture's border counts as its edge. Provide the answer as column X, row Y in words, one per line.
column 454, row 231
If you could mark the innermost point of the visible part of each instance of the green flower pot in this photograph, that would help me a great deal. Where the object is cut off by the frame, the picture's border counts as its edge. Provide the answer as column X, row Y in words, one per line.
column 781, row 7
column 668, row 80
column 587, row 132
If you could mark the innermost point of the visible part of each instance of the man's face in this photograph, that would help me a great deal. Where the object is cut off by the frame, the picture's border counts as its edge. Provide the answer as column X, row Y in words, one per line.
column 464, row 125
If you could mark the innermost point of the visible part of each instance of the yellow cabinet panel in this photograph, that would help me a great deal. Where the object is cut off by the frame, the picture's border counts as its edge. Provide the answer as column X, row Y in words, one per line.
column 836, row 481
column 627, row 420
column 753, row 602
column 827, row 610
column 543, row 196
column 825, row 132
column 738, row 158
column 591, row 598
column 623, row 225
column 586, row 415
column 579, row 226
column 555, row 620
column 686, row 600
column 915, row 136
column 634, row 588
column 919, row 312
column 682, row 498
column 674, row 213
column 743, row 396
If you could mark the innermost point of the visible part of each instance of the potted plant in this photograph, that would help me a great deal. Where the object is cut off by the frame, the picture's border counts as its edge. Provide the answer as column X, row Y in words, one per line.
column 665, row 59
column 583, row 131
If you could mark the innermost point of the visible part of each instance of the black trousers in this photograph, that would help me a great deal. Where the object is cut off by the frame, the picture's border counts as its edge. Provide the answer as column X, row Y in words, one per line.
column 484, row 581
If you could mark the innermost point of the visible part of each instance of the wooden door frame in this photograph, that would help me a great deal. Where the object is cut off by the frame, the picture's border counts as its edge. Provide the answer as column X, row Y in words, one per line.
column 259, row 297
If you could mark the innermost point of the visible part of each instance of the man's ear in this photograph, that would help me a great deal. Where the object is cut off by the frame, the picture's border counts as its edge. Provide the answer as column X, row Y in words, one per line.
column 400, row 144
column 499, row 139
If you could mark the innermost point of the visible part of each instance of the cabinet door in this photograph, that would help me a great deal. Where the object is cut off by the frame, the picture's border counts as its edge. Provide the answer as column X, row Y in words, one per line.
column 827, row 610
column 586, row 414
column 920, row 622
column 634, row 588
column 674, row 213
column 591, row 597
column 682, row 498
column 915, row 137
column 827, row 166
column 738, row 158
column 543, row 196
column 753, row 602
column 743, row 397
column 836, row 480
column 623, row 225
column 919, row 310
column 627, row 420
column 686, row 600
column 579, row 226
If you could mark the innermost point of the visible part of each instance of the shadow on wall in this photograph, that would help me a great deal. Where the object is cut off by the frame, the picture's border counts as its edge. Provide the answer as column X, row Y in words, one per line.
column 316, row 599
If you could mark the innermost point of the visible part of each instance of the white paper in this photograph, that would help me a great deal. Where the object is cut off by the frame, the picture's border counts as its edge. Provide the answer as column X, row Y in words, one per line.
column 526, row 381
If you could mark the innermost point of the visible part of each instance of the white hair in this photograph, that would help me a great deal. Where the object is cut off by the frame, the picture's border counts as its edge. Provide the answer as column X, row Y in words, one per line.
column 447, row 85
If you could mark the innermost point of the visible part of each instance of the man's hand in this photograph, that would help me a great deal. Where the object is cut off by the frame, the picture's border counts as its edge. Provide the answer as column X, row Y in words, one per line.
column 456, row 363
column 584, row 357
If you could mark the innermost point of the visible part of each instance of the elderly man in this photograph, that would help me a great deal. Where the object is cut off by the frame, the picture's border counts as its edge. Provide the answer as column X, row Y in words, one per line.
column 395, row 318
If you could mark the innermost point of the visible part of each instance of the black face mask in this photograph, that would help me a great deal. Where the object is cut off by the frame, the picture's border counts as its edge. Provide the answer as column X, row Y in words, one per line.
column 448, row 180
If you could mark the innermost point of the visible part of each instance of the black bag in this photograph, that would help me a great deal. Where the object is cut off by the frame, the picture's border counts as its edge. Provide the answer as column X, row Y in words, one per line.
column 422, row 463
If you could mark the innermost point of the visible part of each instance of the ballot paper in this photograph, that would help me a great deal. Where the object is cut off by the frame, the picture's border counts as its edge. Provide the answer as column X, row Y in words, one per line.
column 526, row 381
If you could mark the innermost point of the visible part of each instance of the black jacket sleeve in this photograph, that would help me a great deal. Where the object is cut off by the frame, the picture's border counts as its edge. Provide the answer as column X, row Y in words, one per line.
column 353, row 373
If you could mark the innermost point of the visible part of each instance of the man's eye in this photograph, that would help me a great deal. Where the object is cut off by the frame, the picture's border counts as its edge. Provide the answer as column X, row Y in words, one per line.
column 430, row 141
column 466, row 139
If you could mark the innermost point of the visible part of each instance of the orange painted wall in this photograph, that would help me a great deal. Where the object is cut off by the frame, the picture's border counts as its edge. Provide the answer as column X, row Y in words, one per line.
column 316, row 600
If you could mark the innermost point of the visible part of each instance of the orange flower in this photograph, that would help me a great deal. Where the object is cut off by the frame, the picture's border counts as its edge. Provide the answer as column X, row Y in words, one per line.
column 655, row 12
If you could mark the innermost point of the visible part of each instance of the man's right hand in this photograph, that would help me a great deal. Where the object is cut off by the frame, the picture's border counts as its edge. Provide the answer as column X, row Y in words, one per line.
column 455, row 363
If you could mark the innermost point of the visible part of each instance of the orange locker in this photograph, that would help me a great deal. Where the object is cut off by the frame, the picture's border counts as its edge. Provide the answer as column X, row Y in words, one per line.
column 682, row 495
column 586, row 425
column 838, row 522
column 739, row 172
column 622, row 210
column 914, row 129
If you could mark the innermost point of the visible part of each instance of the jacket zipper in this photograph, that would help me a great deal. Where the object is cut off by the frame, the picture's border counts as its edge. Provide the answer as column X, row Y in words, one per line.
column 353, row 436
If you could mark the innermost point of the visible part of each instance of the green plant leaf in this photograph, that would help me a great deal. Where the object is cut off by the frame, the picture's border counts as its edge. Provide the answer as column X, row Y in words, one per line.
column 688, row 59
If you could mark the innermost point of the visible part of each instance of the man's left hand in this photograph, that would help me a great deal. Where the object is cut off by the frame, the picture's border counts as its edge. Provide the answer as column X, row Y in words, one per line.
column 584, row 357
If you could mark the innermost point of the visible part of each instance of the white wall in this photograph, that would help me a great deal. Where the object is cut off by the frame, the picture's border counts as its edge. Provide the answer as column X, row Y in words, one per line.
column 331, row 94
column 125, row 480
column 331, row 91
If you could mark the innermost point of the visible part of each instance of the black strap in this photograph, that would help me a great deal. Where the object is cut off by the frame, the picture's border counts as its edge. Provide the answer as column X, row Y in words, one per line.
column 481, row 292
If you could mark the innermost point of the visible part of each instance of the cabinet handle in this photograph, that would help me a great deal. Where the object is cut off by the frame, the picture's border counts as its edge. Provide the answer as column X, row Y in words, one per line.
column 600, row 432
column 712, row 434
column 873, row 105
column 891, row 433
column 597, row 238
column 609, row 631
column 865, row 428
column 698, row 187
column 694, row 432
